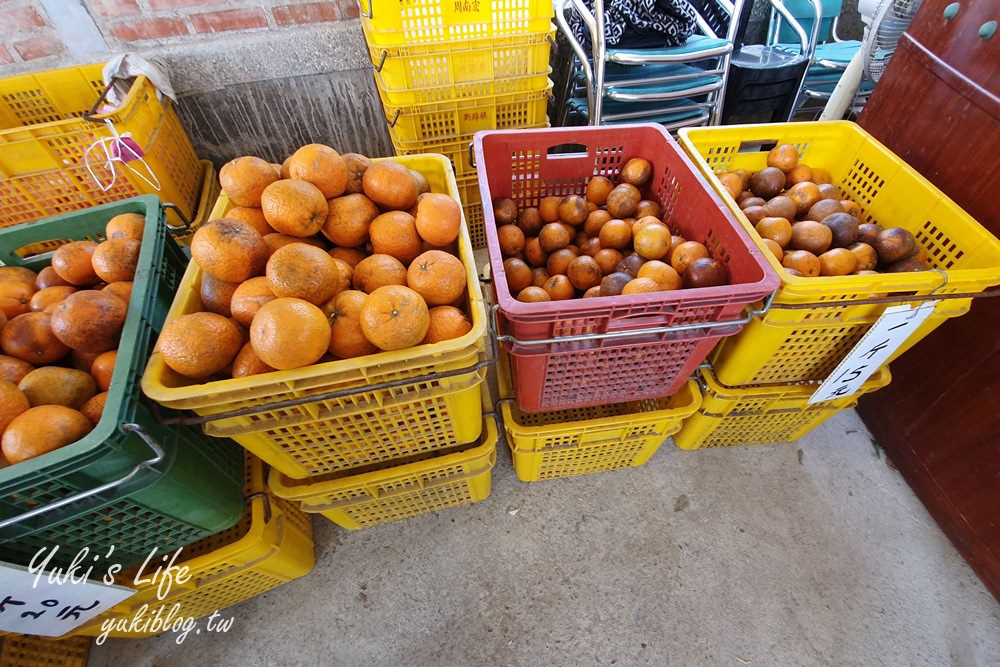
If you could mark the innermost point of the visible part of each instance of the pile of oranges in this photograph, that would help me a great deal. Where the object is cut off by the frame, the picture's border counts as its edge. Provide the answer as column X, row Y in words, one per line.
column 323, row 257
column 59, row 334
column 610, row 240
column 811, row 227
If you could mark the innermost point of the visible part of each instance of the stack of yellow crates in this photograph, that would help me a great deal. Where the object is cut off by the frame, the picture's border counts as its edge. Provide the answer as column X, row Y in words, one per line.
column 446, row 69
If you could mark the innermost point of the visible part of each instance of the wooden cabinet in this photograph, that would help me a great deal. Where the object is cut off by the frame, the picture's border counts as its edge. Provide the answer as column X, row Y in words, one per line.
column 938, row 108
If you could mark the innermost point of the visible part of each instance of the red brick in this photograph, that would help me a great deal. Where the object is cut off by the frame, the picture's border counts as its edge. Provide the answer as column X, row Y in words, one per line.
column 22, row 18
column 352, row 10
column 161, row 5
column 41, row 45
column 5, row 56
column 230, row 19
column 139, row 29
column 115, row 7
column 312, row 12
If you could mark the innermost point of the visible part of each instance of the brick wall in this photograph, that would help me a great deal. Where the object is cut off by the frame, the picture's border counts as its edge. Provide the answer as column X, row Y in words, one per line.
column 29, row 33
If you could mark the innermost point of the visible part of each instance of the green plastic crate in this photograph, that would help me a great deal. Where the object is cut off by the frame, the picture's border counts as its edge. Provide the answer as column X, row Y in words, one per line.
column 192, row 490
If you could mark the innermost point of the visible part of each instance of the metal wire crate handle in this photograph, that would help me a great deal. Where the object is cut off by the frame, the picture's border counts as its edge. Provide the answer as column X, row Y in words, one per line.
column 158, row 456
column 361, row 9
column 175, row 229
column 635, row 333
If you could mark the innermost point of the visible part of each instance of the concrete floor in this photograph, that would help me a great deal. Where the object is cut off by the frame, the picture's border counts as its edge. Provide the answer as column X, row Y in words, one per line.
column 812, row 553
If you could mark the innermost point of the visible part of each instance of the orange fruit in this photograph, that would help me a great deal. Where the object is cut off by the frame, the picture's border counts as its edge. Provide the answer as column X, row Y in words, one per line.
column 779, row 206
column 322, row 166
column 248, row 363
column 529, row 220
column 244, row 179
column 30, row 338
column 641, row 286
column 837, row 262
column 584, row 272
column 505, row 211
column 559, row 287
column 437, row 276
column 648, row 207
column 290, row 333
column 90, row 320
column 390, row 185
column 607, row 259
column 127, row 225
column 19, row 273
column 812, row 236
column 275, row 240
column 394, row 317
column 348, row 220
column 866, row 256
column 248, row 297
column 804, row 194
column 42, row 429
column 356, row 166
column 598, row 188
column 595, row 220
column 121, row 289
column 822, row 209
column 15, row 297
column 539, row 275
column 732, row 183
column 305, row 272
column 199, row 345
column 518, row 274
column 252, row 216
column 45, row 299
column 554, row 235
column 347, row 340
column 533, row 253
column 623, row 200
column 48, row 277
column 685, row 253
column 446, row 323
column 72, row 262
column 776, row 229
column 228, row 249
column 294, row 207
column 13, row 369
column 376, row 271
column 216, row 294
column 395, row 233
column 533, row 294
column 438, row 219
column 665, row 275
column 510, row 239
column 652, row 240
column 12, row 403
column 800, row 173
column 775, row 248
column 802, row 261
column 558, row 261
column 636, row 171
column 783, row 156
column 103, row 367
column 116, row 259
column 615, row 233
column 548, row 208
column 349, row 255
column 93, row 409
column 573, row 210
column 55, row 385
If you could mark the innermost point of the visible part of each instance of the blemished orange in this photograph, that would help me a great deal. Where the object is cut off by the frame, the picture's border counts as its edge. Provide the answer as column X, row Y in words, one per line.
column 390, row 185
column 352, row 256
column 116, row 259
column 438, row 219
column 378, row 270
column 322, row 166
column 128, row 225
column 584, row 272
column 274, row 240
column 348, row 220
column 510, row 238
column 437, row 276
column 121, row 289
column 48, row 277
column 347, row 340
column 290, row 333
column 357, row 164
column 93, row 409
column 248, row 363
column 559, row 287
column 20, row 273
column 248, row 297
column 90, row 320
column 216, row 295
column 72, row 262
column 244, row 179
column 199, row 345
column 641, row 286
column 394, row 317
column 228, row 249
column 395, row 233
column 42, row 429
column 30, row 338
column 15, row 297
column 12, row 403
column 533, row 294
column 664, row 274
column 294, row 207
column 57, row 385
column 103, row 367
column 252, row 216
column 446, row 323
column 13, row 369
column 305, row 272
column 685, row 253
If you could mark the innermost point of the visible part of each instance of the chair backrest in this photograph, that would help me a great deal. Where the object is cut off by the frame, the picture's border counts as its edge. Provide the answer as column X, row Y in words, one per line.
column 803, row 12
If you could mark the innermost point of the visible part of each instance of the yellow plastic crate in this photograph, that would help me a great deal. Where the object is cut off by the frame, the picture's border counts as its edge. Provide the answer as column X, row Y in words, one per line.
column 731, row 416
column 393, row 23
column 815, row 321
column 32, row 651
column 421, row 73
column 472, row 203
column 210, row 190
column 43, row 139
column 455, row 121
column 578, row 441
column 271, row 545
column 341, row 419
column 427, row 484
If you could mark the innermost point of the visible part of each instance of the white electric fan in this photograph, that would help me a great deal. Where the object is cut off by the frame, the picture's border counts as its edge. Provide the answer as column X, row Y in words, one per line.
column 885, row 22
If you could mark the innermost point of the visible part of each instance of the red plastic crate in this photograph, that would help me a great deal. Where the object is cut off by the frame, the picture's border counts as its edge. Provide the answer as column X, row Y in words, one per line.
column 619, row 354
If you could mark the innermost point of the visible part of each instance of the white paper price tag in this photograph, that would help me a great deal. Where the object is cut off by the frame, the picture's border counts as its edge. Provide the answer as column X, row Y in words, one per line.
column 875, row 347
column 35, row 603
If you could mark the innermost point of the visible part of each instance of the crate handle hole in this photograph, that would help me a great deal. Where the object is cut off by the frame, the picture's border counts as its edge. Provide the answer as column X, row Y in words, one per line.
column 567, row 151
column 636, row 321
column 761, row 146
